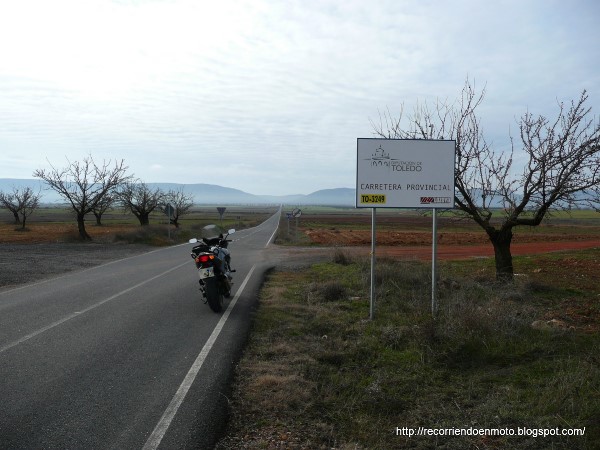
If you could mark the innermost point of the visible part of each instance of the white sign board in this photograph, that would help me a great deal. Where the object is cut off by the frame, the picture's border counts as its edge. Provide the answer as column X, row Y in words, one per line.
column 405, row 173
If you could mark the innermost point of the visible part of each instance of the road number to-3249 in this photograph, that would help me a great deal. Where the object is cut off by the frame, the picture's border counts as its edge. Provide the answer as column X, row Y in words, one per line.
column 372, row 199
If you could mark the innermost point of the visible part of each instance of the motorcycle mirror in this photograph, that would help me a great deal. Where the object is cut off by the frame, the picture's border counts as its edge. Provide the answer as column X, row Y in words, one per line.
column 193, row 241
column 231, row 231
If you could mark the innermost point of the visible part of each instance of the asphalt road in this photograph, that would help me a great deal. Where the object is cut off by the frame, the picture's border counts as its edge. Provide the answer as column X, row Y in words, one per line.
column 125, row 355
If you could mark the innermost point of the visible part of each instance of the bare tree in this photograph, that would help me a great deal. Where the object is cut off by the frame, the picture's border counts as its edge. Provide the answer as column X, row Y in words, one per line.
column 21, row 202
column 140, row 200
column 8, row 201
column 180, row 202
column 563, row 163
column 84, row 184
column 103, row 205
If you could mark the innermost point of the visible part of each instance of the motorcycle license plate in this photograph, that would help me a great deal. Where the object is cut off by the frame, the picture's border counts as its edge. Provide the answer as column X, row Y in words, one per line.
column 206, row 272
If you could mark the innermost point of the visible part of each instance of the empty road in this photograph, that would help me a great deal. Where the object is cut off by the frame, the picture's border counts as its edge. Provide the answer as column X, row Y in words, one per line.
column 125, row 355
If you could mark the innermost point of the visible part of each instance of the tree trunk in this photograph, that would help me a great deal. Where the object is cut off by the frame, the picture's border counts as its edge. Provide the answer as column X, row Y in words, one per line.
column 17, row 218
column 81, row 226
column 98, row 219
column 144, row 219
column 501, row 240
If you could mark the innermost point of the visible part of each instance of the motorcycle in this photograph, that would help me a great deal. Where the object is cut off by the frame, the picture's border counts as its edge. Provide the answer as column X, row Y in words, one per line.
column 213, row 262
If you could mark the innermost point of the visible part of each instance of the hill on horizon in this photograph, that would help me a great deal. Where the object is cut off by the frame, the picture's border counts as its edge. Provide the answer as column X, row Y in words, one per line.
column 207, row 194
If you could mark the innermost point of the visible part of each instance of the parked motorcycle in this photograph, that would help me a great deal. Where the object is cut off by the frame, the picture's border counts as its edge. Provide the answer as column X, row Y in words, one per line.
column 213, row 262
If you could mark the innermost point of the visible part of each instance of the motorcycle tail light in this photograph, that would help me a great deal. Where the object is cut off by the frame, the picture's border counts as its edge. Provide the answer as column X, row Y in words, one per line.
column 204, row 258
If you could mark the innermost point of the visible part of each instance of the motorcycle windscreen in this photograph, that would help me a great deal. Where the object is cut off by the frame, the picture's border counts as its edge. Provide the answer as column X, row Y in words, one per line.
column 211, row 231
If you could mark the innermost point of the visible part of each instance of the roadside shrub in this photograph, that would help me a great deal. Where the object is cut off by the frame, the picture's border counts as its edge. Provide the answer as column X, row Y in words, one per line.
column 403, row 274
column 401, row 285
column 149, row 235
column 332, row 291
column 396, row 336
column 341, row 257
column 71, row 236
column 329, row 291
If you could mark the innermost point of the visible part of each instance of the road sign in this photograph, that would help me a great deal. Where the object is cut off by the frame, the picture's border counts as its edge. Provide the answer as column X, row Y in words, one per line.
column 221, row 211
column 405, row 173
column 296, row 212
column 170, row 212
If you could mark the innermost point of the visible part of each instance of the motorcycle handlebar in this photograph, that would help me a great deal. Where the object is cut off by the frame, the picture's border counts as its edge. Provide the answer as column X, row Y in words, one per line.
column 211, row 241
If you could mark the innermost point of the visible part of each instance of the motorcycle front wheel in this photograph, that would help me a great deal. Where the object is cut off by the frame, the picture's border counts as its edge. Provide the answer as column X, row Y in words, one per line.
column 214, row 296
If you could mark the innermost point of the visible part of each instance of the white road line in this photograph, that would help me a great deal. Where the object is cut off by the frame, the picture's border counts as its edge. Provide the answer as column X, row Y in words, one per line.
column 278, row 214
column 272, row 236
column 83, row 311
column 165, row 421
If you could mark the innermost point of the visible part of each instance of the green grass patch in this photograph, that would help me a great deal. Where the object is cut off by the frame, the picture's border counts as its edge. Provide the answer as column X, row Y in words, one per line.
column 317, row 373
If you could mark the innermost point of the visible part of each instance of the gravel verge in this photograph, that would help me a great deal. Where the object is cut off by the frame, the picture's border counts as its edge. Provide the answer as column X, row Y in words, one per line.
column 27, row 263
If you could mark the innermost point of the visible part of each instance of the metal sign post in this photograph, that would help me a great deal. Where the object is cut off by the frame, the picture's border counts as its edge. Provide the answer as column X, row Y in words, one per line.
column 433, row 265
column 296, row 213
column 169, row 211
column 373, row 245
column 289, row 217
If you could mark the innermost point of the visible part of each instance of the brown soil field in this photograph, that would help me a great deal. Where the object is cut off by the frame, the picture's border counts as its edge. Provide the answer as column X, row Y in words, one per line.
column 451, row 245
column 39, row 233
column 411, row 235
column 462, row 242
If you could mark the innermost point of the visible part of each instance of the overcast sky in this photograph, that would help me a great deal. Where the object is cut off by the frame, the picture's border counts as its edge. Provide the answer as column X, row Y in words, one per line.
column 269, row 96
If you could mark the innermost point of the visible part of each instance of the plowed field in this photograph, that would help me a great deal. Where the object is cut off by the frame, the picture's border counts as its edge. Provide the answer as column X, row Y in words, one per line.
column 451, row 245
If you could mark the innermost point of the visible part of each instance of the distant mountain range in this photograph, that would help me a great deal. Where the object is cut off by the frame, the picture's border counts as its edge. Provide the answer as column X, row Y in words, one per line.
column 208, row 194
column 212, row 194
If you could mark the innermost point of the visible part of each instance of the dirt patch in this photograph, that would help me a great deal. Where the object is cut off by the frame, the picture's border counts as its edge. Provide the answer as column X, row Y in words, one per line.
column 459, row 245
column 58, row 232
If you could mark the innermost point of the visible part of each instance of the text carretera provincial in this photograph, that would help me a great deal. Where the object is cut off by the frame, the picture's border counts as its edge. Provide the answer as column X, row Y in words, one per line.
column 408, row 187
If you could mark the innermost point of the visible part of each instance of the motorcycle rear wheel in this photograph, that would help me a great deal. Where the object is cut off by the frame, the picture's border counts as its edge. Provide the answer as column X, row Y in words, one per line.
column 214, row 296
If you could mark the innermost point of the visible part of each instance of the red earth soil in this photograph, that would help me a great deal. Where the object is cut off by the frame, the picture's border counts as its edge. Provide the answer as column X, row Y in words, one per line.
column 460, row 245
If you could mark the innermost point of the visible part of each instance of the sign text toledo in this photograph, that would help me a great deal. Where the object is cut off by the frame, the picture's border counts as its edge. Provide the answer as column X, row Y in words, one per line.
column 402, row 173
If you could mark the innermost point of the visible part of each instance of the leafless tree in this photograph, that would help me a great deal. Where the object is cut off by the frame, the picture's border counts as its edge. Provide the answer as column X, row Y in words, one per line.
column 8, row 201
column 180, row 202
column 84, row 184
column 21, row 202
column 562, row 164
column 103, row 205
column 140, row 200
